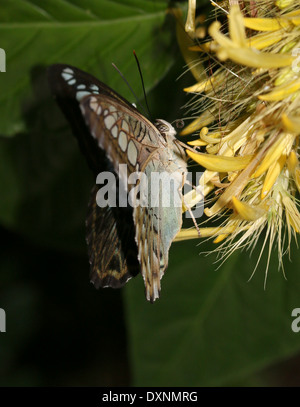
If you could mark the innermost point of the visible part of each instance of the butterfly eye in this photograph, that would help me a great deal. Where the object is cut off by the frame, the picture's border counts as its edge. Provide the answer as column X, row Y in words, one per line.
column 165, row 128
column 162, row 127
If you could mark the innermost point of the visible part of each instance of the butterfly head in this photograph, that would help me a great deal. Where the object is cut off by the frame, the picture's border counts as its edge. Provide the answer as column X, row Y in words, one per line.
column 166, row 130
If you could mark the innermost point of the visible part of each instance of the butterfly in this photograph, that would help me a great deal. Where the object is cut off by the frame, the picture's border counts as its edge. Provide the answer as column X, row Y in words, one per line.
column 122, row 241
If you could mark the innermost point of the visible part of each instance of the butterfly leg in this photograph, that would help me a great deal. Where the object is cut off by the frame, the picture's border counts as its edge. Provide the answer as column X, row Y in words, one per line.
column 193, row 217
column 189, row 207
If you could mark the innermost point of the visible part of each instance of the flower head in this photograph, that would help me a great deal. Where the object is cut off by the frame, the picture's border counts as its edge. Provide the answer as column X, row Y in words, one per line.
column 247, row 108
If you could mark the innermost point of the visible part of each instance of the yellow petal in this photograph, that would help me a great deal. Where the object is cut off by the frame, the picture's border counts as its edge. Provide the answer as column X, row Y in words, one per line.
column 292, row 13
column 190, row 21
column 293, row 216
column 197, row 88
column 246, row 211
column 283, row 3
column 291, row 123
column 203, row 131
column 287, row 47
column 203, row 120
column 297, row 178
column 247, row 56
column 281, row 92
column 261, row 41
column 184, row 42
column 236, row 26
column 281, row 146
column 187, row 234
column 272, row 175
column 206, row 85
column 220, row 163
column 237, row 186
column 285, row 76
column 209, row 139
column 295, row 21
column 266, row 24
column 292, row 162
column 205, row 47
column 192, row 198
column 256, row 59
column 215, row 33
column 220, row 238
column 197, row 143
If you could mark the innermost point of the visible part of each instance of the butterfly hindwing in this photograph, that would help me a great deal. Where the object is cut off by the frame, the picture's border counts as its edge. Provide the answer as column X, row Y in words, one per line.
column 158, row 224
column 111, row 248
column 156, row 227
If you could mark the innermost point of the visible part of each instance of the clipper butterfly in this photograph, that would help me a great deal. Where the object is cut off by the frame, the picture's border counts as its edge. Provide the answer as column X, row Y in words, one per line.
column 122, row 241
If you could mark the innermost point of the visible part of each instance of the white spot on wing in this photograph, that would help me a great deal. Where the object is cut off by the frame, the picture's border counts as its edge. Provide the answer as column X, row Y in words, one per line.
column 72, row 81
column 94, row 87
column 81, row 94
column 109, row 121
column 125, row 126
column 132, row 152
column 94, row 104
column 122, row 140
column 115, row 131
column 82, row 86
column 66, row 76
column 69, row 70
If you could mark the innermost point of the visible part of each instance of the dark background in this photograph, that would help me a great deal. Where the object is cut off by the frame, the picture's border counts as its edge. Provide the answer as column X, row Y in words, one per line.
column 63, row 332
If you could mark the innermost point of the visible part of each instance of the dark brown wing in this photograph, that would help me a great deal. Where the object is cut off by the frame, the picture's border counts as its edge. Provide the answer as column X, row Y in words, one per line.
column 129, row 139
column 118, row 255
column 111, row 246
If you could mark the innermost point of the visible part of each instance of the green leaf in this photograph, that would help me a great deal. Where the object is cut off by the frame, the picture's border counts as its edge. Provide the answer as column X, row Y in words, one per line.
column 89, row 35
column 44, row 176
column 211, row 327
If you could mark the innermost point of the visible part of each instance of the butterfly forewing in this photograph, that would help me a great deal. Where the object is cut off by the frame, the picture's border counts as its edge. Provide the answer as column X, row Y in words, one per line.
column 107, row 251
column 119, row 132
column 121, row 241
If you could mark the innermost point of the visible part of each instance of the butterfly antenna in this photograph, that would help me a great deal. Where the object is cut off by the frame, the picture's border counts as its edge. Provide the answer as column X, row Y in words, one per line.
column 131, row 90
column 141, row 75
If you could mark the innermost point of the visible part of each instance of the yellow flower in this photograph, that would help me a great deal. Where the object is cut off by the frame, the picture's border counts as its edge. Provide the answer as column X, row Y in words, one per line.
column 247, row 104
